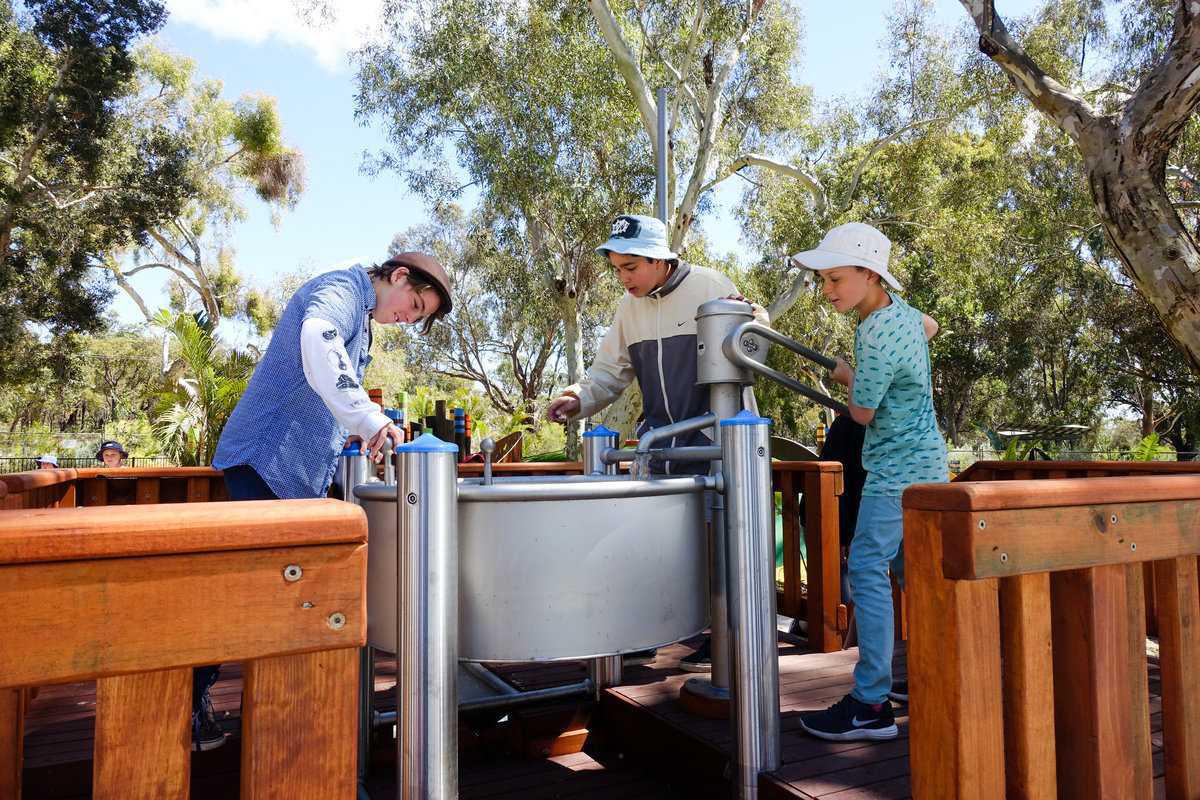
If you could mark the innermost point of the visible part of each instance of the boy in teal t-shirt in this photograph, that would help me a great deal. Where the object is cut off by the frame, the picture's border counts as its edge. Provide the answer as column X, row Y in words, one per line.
column 890, row 393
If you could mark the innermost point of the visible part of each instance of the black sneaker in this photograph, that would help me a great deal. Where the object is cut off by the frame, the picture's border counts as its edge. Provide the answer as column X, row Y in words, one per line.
column 899, row 691
column 699, row 661
column 851, row 719
column 640, row 657
column 206, row 733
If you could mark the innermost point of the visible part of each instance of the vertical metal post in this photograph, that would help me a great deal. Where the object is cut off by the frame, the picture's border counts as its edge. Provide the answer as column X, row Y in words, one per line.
column 352, row 470
column 604, row 671
column 750, row 517
column 427, row 622
column 660, row 167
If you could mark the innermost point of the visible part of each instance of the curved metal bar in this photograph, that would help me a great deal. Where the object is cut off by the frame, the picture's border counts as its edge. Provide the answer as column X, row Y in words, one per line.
column 674, row 429
column 595, row 490
column 735, row 354
column 711, row 453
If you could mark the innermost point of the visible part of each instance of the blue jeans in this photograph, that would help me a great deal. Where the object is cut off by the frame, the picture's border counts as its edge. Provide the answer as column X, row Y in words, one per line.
column 876, row 546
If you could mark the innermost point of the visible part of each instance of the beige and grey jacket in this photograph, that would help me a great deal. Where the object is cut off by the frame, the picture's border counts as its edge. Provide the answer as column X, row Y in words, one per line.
column 653, row 339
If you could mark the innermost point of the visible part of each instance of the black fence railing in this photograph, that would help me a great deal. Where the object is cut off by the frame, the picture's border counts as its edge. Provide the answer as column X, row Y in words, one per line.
column 26, row 463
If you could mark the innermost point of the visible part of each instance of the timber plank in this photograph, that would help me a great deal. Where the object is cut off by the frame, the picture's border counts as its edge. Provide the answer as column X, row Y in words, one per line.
column 143, row 736
column 1179, row 637
column 793, row 560
column 46, row 535
column 1099, row 750
column 823, row 543
column 1028, row 696
column 283, row 759
column 77, row 620
column 956, row 718
column 1000, row 543
column 1021, row 494
column 12, row 714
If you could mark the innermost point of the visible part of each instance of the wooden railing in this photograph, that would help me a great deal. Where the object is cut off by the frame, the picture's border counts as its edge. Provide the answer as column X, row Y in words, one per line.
column 135, row 599
column 819, row 603
column 1026, row 657
column 69, row 488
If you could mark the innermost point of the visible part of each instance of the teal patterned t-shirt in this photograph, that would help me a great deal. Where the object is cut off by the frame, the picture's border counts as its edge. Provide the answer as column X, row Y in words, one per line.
column 903, row 445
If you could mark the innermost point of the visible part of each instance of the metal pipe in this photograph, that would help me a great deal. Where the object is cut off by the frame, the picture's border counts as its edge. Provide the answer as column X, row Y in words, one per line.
column 597, row 490
column 427, row 620
column 352, row 471
column 660, row 161
column 700, row 453
column 488, row 678
column 725, row 399
column 596, row 442
column 583, row 687
column 751, row 558
column 672, row 430
column 366, row 698
column 604, row 672
column 733, row 351
column 487, row 447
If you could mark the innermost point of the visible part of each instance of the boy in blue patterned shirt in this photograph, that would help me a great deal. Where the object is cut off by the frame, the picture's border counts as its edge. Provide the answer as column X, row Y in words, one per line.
column 890, row 393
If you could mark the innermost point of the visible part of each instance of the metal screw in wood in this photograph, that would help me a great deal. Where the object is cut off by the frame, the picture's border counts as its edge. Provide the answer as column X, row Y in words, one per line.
column 292, row 573
column 337, row 620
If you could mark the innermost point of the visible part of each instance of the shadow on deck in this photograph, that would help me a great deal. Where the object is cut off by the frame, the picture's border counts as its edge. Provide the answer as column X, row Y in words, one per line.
column 637, row 744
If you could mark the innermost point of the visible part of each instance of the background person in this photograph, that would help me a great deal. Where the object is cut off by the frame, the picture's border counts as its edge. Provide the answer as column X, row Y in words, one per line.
column 47, row 461
column 112, row 454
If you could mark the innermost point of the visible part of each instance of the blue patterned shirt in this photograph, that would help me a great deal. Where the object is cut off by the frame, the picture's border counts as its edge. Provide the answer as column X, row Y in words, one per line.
column 281, row 427
column 902, row 445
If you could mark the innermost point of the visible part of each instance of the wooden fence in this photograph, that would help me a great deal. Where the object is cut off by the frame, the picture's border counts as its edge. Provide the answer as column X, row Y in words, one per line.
column 93, row 595
column 1026, row 655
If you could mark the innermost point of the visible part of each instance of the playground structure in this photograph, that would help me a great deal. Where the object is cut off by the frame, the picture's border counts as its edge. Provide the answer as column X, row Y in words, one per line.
column 1002, row 565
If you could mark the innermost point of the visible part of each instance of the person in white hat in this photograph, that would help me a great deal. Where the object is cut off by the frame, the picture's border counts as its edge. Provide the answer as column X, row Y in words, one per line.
column 47, row 461
column 653, row 339
column 890, row 392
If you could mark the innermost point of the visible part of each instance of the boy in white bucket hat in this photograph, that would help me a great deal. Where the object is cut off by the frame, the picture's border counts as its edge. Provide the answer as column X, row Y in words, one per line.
column 891, row 394
column 653, row 339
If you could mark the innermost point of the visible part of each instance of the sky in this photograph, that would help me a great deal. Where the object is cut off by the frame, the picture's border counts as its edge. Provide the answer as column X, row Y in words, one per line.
column 346, row 216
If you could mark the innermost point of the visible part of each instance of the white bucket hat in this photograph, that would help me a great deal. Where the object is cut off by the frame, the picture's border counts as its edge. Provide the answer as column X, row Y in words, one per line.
column 48, row 458
column 854, row 244
column 636, row 235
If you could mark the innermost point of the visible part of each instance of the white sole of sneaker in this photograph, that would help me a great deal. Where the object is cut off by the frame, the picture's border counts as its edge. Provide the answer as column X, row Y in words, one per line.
column 858, row 734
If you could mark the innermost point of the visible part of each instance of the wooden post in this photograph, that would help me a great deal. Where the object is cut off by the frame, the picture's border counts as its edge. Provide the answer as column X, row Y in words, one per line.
column 793, row 560
column 1179, row 636
column 823, row 544
column 956, row 715
column 143, row 736
column 1097, row 633
column 1030, row 769
column 148, row 491
column 198, row 490
column 12, row 736
column 95, row 492
column 286, row 750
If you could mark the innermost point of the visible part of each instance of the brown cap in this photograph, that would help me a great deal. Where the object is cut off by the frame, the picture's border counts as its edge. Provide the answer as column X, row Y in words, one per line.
column 425, row 267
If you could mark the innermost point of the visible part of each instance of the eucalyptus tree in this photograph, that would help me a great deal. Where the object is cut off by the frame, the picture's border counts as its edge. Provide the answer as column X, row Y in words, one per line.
column 232, row 146
column 517, row 103
column 1130, row 125
column 74, row 179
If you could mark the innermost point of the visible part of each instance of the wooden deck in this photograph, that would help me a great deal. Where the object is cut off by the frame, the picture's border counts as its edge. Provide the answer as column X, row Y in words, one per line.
column 639, row 743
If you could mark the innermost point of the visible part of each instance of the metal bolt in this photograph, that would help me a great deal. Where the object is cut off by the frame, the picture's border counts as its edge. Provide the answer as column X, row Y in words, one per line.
column 750, row 345
column 1113, row 519
column 762, row 451
column 982, row 524
column 292, row 573
column 1004, row 558
column 412, row 498
column 1133, row 545
column 306, row 604
column 337, row 620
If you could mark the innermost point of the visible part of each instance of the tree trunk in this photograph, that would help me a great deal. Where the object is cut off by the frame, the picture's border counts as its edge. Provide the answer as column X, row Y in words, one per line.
column 568, row 303
column 1157, row 252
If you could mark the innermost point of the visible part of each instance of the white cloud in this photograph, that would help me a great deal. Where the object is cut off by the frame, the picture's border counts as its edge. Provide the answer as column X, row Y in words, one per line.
column 256, row 21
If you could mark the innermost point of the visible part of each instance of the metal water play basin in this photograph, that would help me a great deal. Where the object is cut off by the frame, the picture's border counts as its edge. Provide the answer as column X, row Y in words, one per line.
column 614, row 566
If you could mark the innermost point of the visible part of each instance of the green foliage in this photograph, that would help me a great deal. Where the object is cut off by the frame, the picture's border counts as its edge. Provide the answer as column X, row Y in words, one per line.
column 75, row 179
column 1150, row 449
column 207, row 383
